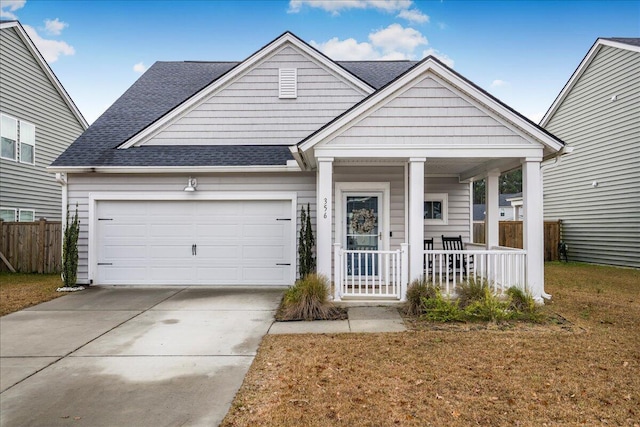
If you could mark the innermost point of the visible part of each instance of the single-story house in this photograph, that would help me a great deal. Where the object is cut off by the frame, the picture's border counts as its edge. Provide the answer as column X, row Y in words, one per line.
column 197, row 173
column 509, row 208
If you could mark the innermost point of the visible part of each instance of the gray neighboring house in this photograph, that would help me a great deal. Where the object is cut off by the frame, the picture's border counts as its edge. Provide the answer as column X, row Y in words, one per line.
column 38, row 122
column 509, row 206
column 596, row 190
column 196, row 175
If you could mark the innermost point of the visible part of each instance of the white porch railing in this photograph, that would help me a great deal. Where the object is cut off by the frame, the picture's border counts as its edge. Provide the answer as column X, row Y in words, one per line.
column 502, row 268
column 370, row 274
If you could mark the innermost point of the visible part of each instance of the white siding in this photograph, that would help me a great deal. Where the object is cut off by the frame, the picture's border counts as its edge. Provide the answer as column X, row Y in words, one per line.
column 432, row 114
column 26, row 93
column 459, row 215
column 249, row 110
column 601, row 224
column 81, row 185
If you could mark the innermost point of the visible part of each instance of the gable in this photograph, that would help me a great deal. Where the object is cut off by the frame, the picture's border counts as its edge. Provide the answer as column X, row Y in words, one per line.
column 429, row 114
column 250, row 110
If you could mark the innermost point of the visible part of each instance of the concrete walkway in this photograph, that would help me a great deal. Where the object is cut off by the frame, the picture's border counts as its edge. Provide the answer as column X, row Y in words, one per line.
column 144, row 356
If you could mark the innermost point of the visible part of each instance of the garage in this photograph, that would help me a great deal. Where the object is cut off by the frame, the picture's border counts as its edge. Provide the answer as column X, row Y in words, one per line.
column 204, row 242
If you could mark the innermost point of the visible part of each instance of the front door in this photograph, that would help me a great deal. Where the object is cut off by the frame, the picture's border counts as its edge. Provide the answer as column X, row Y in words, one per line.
column 363, row 229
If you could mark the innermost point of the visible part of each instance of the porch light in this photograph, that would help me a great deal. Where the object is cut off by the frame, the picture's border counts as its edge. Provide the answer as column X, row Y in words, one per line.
column 192, row 183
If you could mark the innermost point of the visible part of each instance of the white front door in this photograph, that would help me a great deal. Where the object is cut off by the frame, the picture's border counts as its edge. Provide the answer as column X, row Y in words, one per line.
column 363, row 229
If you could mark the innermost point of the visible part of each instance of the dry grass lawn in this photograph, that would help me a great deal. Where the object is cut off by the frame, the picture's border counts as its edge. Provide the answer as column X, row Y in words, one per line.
column 18, row 290
column 584, row 374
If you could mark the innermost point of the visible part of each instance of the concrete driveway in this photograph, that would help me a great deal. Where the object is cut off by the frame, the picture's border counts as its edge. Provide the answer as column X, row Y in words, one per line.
column 131, row 356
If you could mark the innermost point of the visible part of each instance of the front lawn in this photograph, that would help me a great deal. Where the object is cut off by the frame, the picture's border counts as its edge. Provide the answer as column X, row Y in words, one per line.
column 586, row 374
column 19, row 290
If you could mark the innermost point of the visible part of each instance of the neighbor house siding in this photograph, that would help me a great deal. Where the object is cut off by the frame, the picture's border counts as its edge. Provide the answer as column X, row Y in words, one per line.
column 81, row 185
column 249, row 110
column 431, row 114
column 601, row 224
column 27, row 94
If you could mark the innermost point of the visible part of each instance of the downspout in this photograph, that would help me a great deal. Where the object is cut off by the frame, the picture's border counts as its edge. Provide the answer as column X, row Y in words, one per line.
column 557, row 159
column 61, row 178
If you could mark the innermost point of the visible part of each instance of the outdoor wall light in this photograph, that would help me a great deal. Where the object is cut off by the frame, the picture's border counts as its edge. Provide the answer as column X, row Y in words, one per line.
column 594, row 184
column 192, row 183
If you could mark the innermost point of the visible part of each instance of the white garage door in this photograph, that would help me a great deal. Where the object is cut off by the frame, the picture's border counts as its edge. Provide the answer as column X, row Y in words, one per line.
column 194, row 243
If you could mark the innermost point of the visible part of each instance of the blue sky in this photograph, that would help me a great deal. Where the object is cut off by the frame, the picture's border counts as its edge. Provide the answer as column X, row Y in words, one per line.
column 523, row 52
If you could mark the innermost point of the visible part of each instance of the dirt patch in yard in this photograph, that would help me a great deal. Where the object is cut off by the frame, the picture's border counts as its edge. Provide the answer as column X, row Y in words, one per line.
column 18, row 290
column 585, row 374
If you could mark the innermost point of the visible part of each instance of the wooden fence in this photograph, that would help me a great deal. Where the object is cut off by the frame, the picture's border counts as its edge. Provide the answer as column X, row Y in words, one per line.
column 511, row 236
column 31, row 247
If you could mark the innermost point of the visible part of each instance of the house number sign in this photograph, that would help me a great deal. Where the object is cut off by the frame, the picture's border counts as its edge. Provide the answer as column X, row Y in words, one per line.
column 325, row 208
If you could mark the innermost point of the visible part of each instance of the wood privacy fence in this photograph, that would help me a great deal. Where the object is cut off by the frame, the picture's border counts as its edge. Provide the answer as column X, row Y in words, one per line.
column 511, row 236
column 31, row 247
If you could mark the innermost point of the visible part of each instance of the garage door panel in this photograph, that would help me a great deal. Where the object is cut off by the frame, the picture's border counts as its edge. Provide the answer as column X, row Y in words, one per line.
column 237, row 242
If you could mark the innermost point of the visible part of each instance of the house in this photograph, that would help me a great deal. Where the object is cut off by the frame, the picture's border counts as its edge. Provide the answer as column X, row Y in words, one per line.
column 509, row 208
column 38, row 122
column 596, row 190
column 196, row 175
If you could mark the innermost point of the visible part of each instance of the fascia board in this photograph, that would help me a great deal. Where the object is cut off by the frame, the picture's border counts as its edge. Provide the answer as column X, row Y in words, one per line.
column 235, row 73
column 47, row 70
column 429, row 153
column 172, row 169
column 376, row 100
column 584, row 64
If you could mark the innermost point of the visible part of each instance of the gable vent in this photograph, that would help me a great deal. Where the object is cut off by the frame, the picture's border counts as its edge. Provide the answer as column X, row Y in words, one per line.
column 288, row 83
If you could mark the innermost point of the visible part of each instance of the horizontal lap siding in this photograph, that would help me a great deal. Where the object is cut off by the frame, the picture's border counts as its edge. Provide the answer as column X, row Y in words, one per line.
column 428, row 113
column 248, row 111
column 303, row 184
column 600, row 224
column 458, row 209
column 26, row 93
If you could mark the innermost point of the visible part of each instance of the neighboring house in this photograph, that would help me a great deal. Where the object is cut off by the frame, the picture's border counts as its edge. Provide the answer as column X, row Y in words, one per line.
column 509, row 208
column 196, row 175
column 38, row 122
column 596, row 190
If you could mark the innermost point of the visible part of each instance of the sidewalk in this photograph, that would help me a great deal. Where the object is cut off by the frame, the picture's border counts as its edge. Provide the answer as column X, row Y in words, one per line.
column 361, row 319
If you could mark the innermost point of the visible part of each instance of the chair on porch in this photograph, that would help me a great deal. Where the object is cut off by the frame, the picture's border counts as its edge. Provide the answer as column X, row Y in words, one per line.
column 456, row 260
column 428, row 262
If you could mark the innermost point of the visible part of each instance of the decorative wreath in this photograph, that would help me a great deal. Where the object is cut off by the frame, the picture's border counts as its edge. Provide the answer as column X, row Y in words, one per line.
column 362, row 221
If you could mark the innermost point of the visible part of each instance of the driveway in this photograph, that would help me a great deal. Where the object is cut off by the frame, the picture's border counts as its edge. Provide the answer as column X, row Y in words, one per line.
column 131, row 356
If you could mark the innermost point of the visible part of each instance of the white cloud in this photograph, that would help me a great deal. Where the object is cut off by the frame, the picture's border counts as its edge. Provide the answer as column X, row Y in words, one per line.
column 441, row 56
column 50, row 49
column 395, row 38
column 55, row 26
column 7, row 7
column 499, row 83
column 139, row 68
column 413, row 15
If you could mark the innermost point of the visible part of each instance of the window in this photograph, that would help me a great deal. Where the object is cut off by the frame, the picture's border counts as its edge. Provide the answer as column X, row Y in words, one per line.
column 436, row 208
column 288, row 79
column 17, row 140
column 8, row 137
column 27, row 143
column 502, row 214
column 26, row 215
column 8, row 214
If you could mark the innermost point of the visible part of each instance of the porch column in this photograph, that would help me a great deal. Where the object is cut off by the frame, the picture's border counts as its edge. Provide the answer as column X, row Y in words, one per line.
column 533, row 227
column 324, row 184
column 416, row 217
column 492, row 217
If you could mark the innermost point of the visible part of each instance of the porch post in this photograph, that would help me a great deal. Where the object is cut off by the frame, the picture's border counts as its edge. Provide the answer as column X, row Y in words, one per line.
column 492, row 218
column 324, row 181
column 533, row 227
column 416, row 217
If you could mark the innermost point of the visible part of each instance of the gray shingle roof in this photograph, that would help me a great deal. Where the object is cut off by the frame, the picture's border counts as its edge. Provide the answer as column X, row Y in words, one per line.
column 626, row 40
column 162, row 88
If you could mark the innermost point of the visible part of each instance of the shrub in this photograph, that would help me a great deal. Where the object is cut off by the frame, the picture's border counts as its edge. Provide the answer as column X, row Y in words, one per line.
column 308, row 299
column 306, row 241
column 523, row 304
column 472, row 290
column 416, row 292
column 440, row 309
column 70, row 251
column 489, row 307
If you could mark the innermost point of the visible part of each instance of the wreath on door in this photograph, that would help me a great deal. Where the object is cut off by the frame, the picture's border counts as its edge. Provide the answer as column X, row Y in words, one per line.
column 362, row 221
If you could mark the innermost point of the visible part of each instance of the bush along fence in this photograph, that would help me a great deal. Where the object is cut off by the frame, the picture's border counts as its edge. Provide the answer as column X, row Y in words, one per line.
column 31, row 247
column 511, row 236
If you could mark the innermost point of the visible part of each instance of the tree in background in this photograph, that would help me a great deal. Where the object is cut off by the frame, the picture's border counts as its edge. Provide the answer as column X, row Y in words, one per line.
column 510, row 182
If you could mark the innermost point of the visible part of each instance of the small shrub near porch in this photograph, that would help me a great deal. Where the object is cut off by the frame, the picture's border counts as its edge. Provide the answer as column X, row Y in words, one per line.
column 474, row 302
column 308, row 299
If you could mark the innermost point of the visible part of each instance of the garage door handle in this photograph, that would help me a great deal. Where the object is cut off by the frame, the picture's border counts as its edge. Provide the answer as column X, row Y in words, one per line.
column 282, row 264
column 194, row 251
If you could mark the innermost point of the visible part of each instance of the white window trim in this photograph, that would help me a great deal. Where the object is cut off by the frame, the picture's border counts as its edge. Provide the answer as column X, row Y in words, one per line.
column 442, row 198
column 26, row 143
column 17, row 143
column 15, row 212
column 33, row 214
